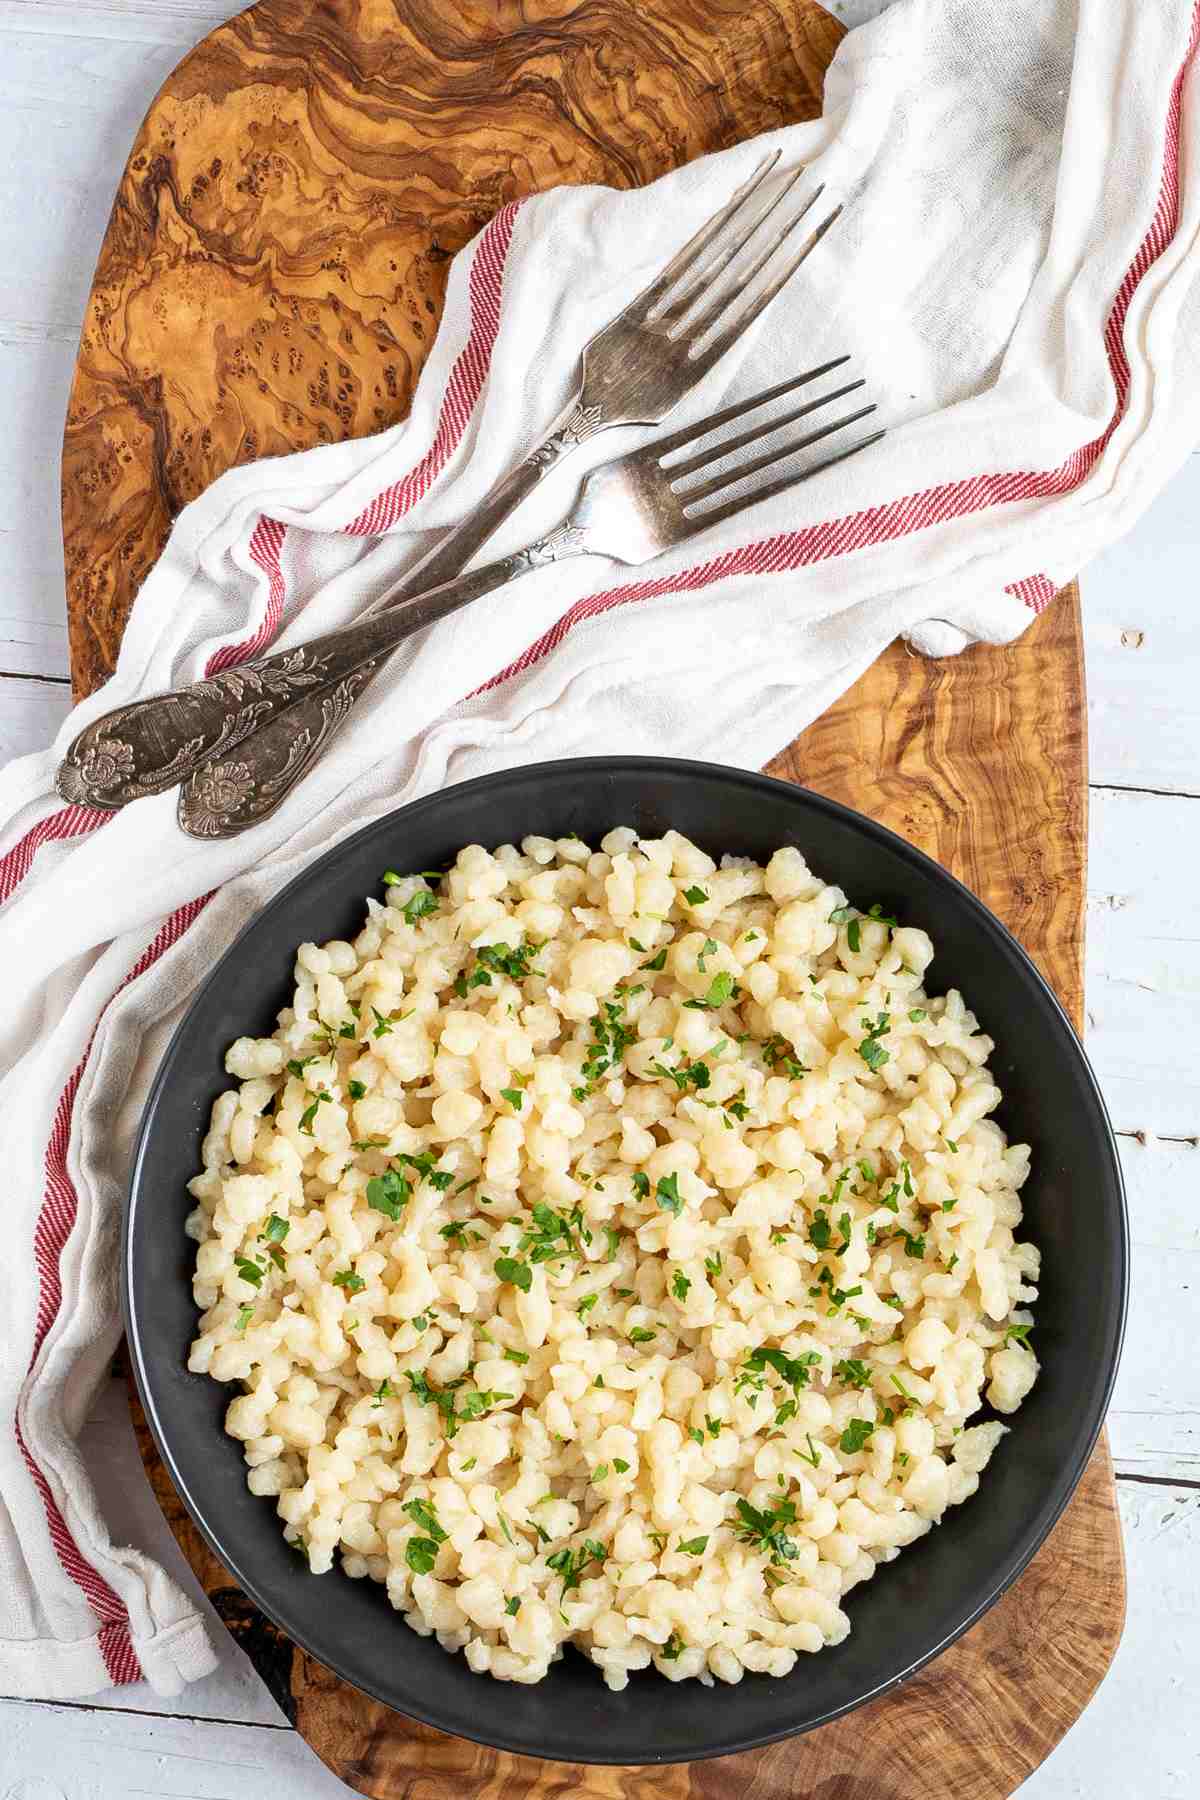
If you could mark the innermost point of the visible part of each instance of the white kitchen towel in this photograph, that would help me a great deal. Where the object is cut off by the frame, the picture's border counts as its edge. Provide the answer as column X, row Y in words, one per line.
column 1017, row 276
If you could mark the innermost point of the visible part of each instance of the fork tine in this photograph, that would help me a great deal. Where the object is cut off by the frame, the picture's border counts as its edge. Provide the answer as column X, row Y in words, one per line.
column 738, row 322
column 767, row 426
column 696, row 245
column 705, row 285
column 691, row 434
column 745, row 280
column 717, row 514
column 731, row 477
column 700, row 281
column 727, row 511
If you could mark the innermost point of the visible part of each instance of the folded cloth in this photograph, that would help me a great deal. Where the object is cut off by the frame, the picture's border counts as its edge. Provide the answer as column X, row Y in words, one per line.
column 1016, row 274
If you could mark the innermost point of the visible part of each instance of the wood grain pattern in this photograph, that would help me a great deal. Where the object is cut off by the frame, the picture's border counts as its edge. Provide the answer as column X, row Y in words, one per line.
column 271, row 279
column 293, row 198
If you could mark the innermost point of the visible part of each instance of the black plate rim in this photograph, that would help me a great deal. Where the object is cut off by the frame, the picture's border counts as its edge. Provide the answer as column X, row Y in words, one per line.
column 1091, row 1421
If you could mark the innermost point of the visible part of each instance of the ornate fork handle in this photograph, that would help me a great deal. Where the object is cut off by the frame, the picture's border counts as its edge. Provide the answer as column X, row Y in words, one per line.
column 575, row 424
column 225, row 795
column 152, row 745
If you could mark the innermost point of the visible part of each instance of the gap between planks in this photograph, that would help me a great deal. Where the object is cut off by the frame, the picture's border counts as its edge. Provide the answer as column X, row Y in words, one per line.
column 63, row 681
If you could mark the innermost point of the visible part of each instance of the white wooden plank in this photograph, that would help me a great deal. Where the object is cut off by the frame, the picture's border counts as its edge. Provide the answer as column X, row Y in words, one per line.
column 1143, row 959
column 1154, row 1422
column 1140, row 1737
column 138, row 21
column 33, row 626
column 30, row 714
column 1139, row 606
column 69, row 108
column 75, row 82
column 80, row 1753
column 35, row 379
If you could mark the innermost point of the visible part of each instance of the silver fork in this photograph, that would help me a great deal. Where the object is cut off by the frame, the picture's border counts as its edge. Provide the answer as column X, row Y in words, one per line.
column 633, row 372
column 631, row 509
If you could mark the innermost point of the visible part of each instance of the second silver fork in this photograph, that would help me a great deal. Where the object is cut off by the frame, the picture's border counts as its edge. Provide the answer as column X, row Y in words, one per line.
column 631, row 509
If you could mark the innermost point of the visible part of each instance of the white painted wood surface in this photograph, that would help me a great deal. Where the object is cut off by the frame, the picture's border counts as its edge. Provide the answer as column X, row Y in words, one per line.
column 75, row 78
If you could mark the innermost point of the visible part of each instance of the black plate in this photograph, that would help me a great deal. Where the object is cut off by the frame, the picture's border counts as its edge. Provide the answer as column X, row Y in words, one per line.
column 1074, row 1206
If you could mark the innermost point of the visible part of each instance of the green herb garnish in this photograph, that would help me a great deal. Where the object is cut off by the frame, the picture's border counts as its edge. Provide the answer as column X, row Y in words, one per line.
column 310, row 1112
column 389, row 1194
column 570, row 1564
column 610, row 1038
column 720, row 989
column 777, row 1053
column 765, row 1528
column 419, row 905
column 870, row 1049
column 668, row 1195
column 855, row 1436
column 852, row 1373
column 697, row 1074
column 420, row 1553
column 510, row 1269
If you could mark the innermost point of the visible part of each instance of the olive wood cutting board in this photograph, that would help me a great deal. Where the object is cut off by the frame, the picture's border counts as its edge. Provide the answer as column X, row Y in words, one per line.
column 271, row 278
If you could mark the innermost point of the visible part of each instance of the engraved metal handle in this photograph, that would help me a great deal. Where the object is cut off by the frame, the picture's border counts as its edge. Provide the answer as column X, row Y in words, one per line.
column 150, row 745
column 154, row 744
column 574, row 425
column 227, row 794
